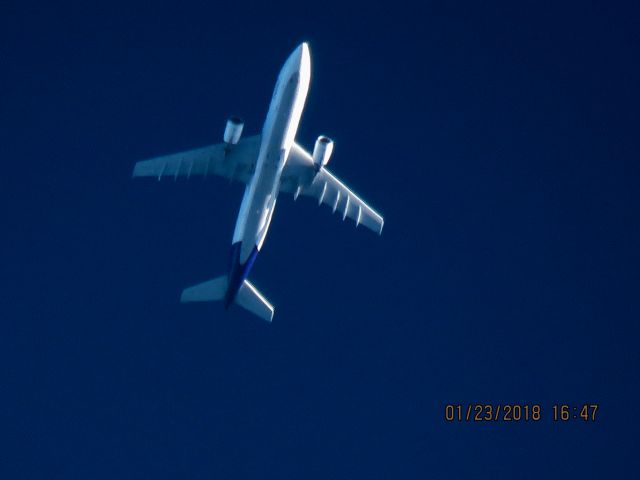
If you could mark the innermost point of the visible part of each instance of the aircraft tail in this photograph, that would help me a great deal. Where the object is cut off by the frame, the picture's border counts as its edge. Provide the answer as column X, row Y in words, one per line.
column 248, row 296
column 209, row 291
column 251, row 299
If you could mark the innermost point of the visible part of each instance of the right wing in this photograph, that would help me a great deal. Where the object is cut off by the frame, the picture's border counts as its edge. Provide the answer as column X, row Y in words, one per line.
column 299, row 177
column 235, row 162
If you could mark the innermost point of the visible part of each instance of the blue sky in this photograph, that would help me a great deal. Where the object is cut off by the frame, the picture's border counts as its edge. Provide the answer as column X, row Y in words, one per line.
column 499, row 142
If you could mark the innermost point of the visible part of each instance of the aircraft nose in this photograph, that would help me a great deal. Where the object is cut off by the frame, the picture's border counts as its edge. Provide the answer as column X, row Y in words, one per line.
column 300, row 55
column 303, row 51
column 304, row 59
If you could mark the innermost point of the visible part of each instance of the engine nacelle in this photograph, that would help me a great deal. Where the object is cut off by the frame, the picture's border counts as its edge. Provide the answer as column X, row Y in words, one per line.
column 322, row 151
column 233, row 130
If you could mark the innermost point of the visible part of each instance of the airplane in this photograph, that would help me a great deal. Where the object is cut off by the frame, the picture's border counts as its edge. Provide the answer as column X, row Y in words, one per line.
column 269, row 164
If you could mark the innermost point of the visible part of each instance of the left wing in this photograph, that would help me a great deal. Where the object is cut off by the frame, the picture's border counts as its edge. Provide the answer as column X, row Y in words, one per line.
column 300, row 178
column 235, row 162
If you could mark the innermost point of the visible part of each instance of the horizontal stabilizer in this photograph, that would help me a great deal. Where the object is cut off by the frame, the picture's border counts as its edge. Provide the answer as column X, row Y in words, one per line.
column 209, row 291
column 251, row 299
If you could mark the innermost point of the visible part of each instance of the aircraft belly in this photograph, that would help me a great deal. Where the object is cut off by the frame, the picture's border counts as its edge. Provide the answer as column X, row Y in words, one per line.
column 261, row 203
column 260, row 198
column 260, row 210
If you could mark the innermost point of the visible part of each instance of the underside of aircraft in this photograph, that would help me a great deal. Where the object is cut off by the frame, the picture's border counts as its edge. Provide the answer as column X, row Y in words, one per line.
column 268, row 164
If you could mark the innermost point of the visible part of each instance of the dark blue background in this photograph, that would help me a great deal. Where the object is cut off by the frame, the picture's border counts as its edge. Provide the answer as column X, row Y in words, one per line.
column 498, row 140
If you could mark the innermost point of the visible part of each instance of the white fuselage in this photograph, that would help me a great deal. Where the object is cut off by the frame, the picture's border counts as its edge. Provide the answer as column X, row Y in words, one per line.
column 278, row 135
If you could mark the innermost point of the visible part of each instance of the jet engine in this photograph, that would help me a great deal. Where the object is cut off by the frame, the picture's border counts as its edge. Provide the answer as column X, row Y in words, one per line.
column 233, row 130
column 322, row 152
